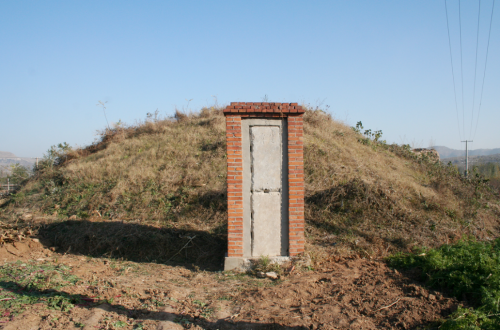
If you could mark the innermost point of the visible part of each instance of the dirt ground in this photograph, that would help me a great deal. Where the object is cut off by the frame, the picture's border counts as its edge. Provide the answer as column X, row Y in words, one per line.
column 340, row 294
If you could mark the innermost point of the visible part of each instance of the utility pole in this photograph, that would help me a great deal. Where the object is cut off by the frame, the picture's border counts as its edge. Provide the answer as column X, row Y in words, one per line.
column 466, row 157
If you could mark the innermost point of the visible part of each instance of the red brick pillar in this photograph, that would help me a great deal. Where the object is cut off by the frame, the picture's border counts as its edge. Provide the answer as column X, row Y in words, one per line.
column 295, row 185
column 292, row 113
column 234, row 186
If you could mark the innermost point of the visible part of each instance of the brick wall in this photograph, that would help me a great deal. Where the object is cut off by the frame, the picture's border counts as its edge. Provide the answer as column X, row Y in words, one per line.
column 295, row 185
column 293, row 114
column 234, row 186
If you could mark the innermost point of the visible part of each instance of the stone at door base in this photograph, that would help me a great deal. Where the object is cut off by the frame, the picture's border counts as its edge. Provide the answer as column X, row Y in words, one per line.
column 241, row 264
column 272, row 275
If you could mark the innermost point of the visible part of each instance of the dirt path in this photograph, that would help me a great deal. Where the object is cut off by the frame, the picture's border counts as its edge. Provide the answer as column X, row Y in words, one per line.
column 111, row 294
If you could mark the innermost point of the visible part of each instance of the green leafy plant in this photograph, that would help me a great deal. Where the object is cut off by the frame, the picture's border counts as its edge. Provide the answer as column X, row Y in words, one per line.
column 54, row 156
column 369, row 135
column 466, row 269
column 358, row 127
column 200, row 303
column 18, row 174
column 23, row 284
column 264, row 264
column 120, row 324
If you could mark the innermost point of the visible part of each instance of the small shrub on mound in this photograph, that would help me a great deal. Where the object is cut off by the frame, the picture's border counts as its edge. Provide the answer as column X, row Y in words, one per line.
column 468, row 270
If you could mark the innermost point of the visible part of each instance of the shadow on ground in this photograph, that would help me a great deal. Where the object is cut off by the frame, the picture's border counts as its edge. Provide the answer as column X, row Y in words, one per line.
column 59, row 297
column 136, row 242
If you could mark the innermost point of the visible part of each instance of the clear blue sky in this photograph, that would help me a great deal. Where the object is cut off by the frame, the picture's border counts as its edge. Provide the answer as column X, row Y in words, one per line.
column 385, row 63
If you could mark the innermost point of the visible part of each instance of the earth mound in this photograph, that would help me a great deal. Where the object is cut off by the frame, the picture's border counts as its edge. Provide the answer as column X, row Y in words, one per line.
column 157, row 191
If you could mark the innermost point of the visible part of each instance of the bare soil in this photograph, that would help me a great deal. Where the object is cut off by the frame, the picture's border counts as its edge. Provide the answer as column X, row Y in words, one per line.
column 340, row 294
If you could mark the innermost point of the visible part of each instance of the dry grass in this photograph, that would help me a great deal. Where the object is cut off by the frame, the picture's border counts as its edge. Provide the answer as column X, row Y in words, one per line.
column 362, row 197
column 149, row 172
column 373, row 199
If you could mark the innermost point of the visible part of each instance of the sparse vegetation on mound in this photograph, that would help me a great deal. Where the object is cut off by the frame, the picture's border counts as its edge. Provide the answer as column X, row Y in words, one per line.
column 363, row 196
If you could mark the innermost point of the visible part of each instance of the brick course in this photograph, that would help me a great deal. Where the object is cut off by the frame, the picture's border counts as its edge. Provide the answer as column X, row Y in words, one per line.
column 293, row 114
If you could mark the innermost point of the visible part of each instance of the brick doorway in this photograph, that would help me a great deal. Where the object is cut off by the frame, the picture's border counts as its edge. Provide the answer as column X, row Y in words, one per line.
column 265, row 181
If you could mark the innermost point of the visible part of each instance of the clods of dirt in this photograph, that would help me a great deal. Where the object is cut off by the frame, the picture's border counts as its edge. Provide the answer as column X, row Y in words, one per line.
column 355, row 294
column 23, row 249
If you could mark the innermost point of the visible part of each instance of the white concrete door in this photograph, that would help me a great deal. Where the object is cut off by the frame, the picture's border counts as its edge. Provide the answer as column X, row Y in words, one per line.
column 265, row 187
column 266, row 190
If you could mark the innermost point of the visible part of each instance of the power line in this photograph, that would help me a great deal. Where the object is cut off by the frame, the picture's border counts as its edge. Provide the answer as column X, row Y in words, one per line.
column 475, row 70
column 452, row 70
column 461, row 62
column 485, row 62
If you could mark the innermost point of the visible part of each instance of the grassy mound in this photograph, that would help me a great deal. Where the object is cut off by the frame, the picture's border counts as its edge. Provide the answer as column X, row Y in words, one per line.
column 363, row 196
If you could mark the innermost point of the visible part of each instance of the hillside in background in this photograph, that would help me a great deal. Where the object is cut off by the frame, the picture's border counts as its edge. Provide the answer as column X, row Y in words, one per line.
column 8, row 158
column 487, row 166
column 5, row 154
column 144, row 191
column 473, row 160
column 445, row 152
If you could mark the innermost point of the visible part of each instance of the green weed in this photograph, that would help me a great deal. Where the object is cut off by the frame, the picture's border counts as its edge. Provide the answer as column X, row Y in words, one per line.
column 200, row 303
column 24, row 284
column 120, row 324
column 468, row 269
column 264, row 264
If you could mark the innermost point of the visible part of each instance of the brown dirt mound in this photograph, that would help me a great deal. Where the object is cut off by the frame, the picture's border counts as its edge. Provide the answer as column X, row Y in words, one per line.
column 27, row 248
column 354, row 294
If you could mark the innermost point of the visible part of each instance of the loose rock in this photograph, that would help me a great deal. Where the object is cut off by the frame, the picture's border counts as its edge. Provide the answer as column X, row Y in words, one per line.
column 272, row 275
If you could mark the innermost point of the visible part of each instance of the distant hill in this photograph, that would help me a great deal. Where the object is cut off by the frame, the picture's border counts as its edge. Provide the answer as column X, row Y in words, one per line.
column 445, row 152
column 8, row 158
column 6, row 154
column 474, row 160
